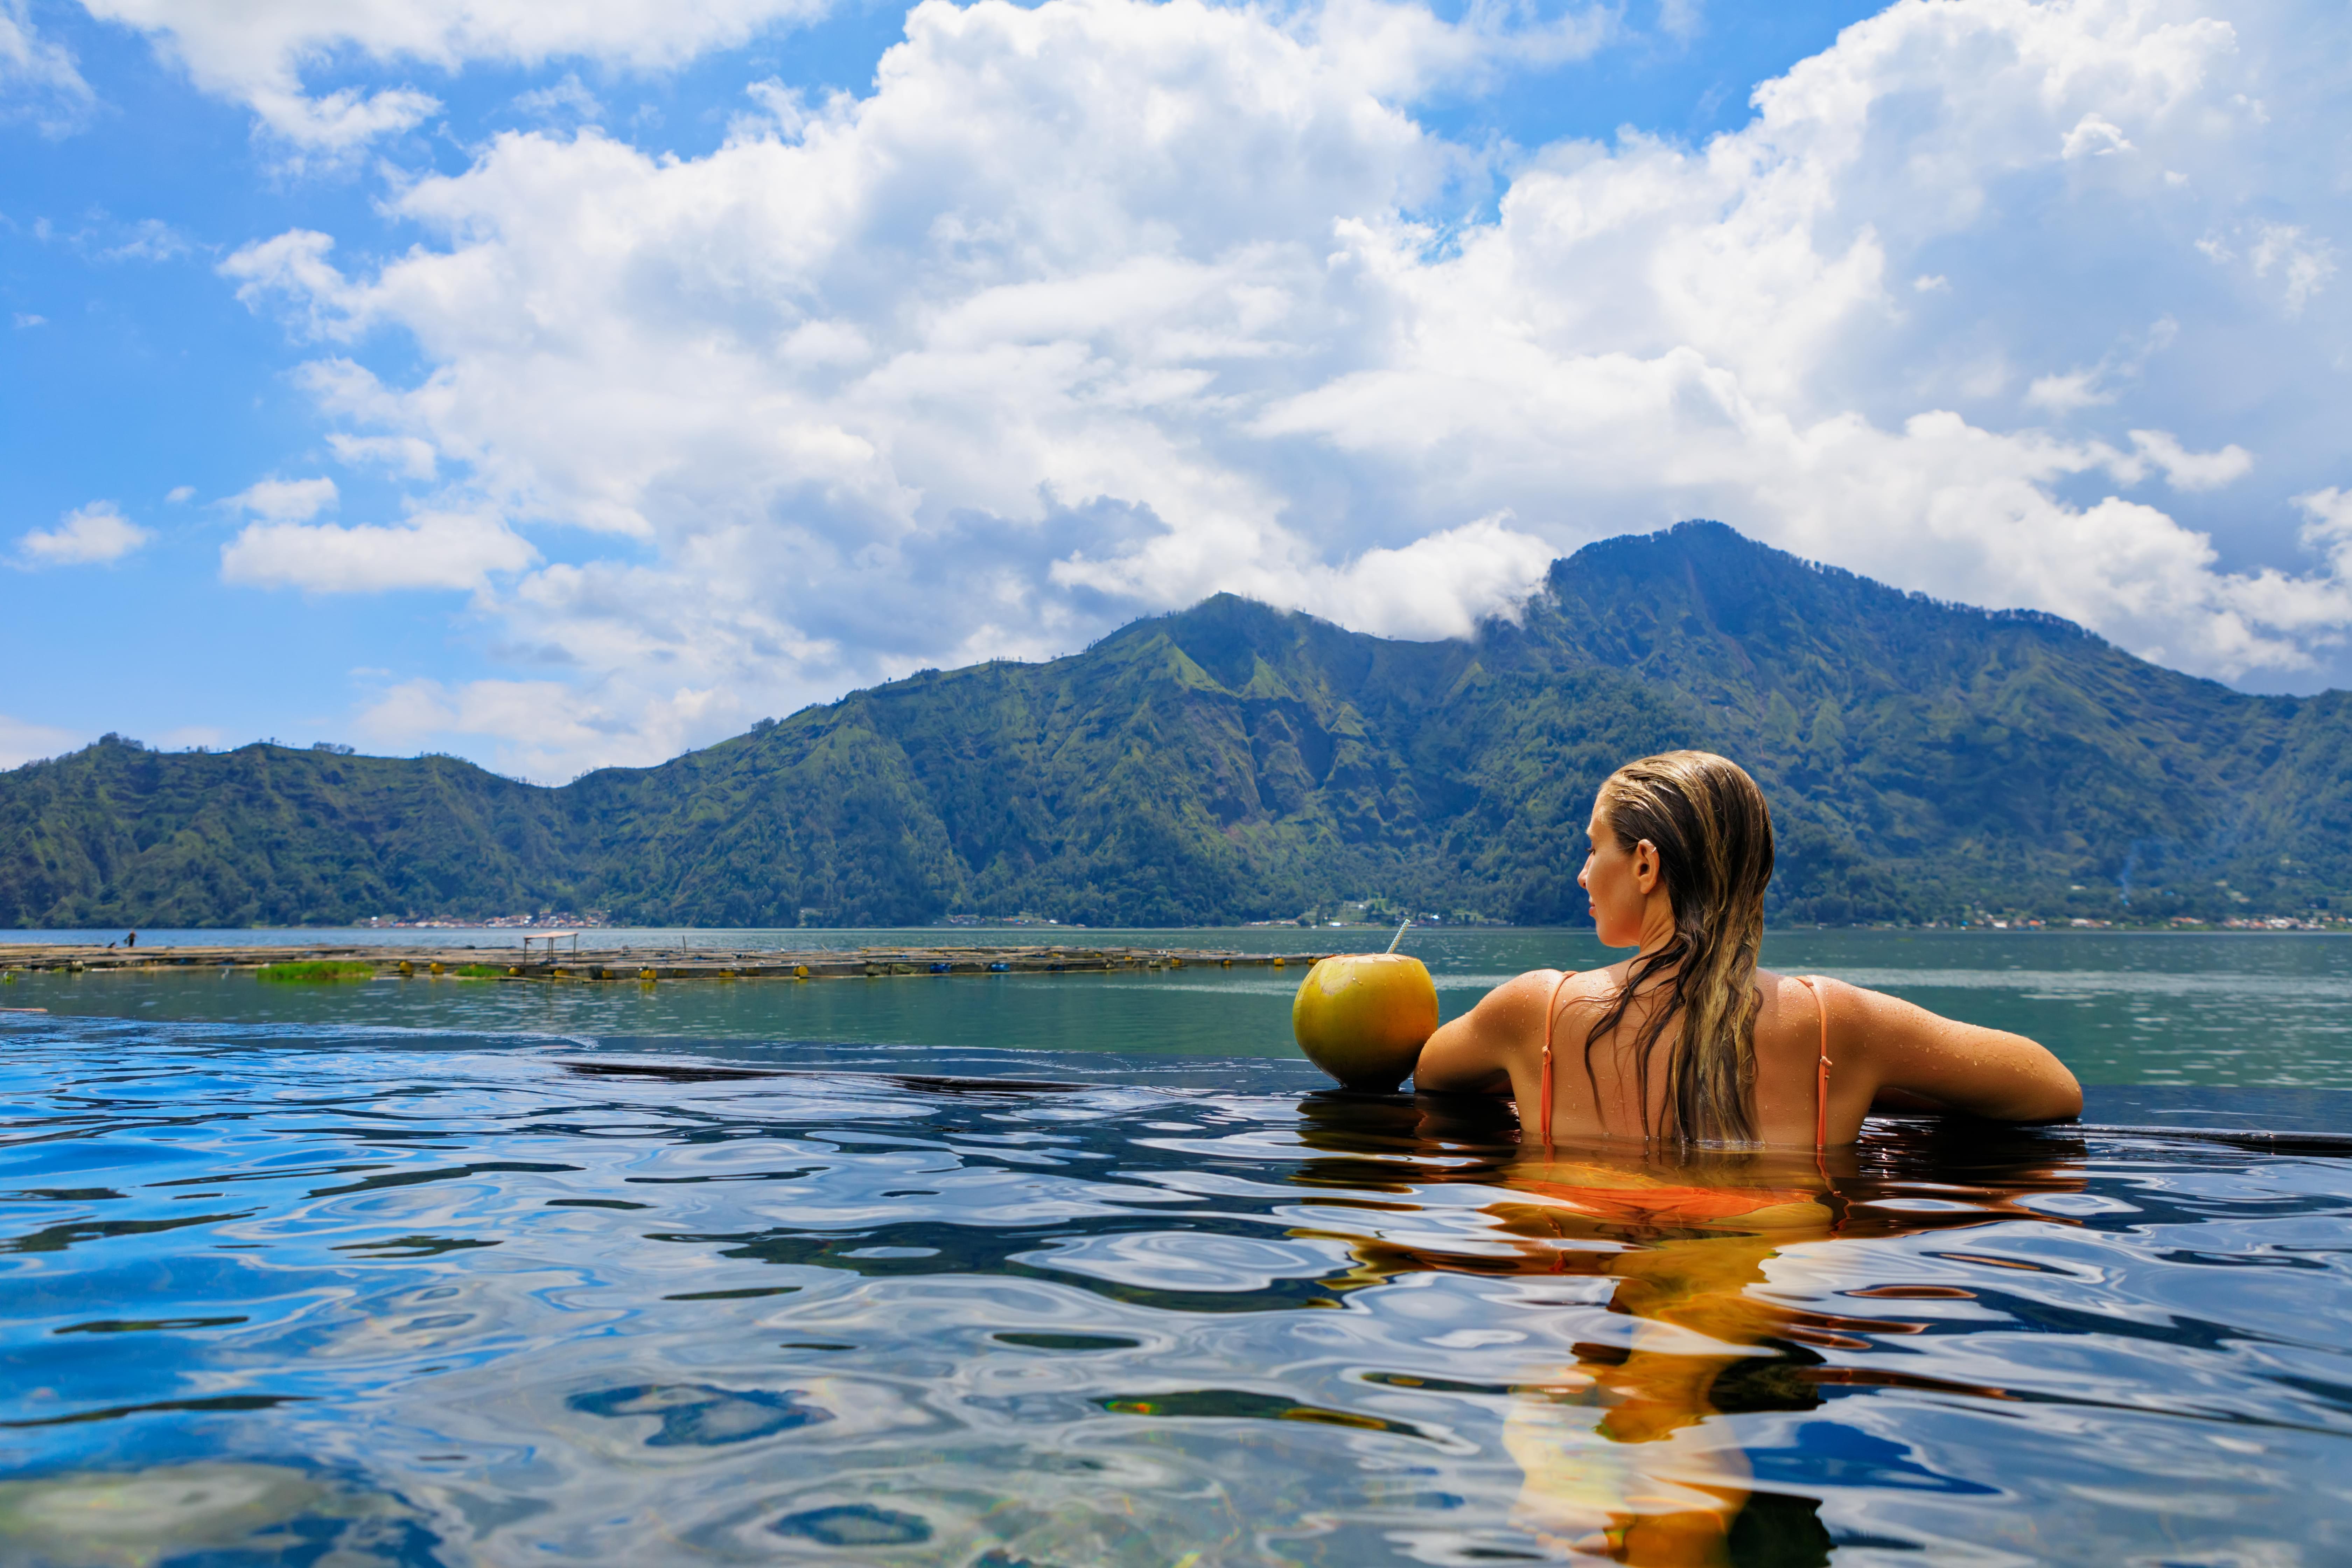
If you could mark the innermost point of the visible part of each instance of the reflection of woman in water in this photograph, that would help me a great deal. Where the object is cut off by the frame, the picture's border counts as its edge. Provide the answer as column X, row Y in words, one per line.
column 1623, row 1453
column 1619, row 1459
column 1688, row 1046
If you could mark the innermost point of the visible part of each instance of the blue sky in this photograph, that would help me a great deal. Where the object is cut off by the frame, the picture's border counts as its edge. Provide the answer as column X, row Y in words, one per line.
column 564, row 386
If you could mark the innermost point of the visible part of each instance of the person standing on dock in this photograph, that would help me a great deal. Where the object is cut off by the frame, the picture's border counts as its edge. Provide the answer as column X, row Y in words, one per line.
column 131, row 941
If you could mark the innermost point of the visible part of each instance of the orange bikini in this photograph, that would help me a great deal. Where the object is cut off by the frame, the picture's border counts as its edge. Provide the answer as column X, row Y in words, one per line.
column 1821, row 1073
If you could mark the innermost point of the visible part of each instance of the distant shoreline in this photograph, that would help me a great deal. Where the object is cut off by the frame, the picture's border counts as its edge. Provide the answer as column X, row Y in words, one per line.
column 832, row 937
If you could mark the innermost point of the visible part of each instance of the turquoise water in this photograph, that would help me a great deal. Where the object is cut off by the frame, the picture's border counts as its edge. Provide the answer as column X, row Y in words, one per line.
column 2240, row 1009
column 1085, row 1269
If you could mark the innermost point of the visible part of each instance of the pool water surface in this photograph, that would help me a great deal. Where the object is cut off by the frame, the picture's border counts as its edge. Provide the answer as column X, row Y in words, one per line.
column 291, row 1293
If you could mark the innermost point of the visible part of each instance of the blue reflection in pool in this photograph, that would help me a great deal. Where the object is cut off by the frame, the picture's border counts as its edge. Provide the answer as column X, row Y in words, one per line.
column 294, row 1296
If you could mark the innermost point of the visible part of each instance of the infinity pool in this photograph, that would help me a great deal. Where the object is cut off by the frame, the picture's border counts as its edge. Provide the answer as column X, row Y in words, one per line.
column 299, row 1294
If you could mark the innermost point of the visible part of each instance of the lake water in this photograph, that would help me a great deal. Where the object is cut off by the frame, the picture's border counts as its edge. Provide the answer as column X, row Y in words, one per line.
column 2237, row 1009
column 1083, row 1269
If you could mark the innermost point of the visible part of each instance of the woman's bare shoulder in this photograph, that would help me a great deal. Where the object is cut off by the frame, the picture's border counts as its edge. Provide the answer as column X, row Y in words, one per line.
column 1795, row 1006
column 1473, row 1053
column 1573, row 992
column 1845, row 1002
column 1803, row 990
column 1529, row 992
column 1892, row 1044
column 1528, row 998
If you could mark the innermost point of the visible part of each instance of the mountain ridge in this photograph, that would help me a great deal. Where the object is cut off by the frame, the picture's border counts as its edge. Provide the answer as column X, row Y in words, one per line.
column 1231, row 760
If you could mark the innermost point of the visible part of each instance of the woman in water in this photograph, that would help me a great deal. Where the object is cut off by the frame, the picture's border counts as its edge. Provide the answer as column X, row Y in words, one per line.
column 1687, row 1041
column 1708, row 1232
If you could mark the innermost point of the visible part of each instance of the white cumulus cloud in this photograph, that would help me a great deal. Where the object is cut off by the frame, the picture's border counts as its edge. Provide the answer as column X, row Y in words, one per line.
column 2187, row 471
column 285, row 500
column 1093, row 307
column 548, row 727
column 92, row 535
column 1439, row 586
column 430, row 550
column 256, row 52
column 411, row 456
column 2094, row 137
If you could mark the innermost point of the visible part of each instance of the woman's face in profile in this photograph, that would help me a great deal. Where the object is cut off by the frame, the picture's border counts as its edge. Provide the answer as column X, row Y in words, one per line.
column 1611, row 879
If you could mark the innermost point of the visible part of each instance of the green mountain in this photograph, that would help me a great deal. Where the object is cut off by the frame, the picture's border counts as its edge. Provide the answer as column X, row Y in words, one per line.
column 1234, row 762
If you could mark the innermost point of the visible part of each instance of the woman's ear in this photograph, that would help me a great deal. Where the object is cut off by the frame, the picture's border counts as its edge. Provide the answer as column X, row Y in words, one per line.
column 1645, row 865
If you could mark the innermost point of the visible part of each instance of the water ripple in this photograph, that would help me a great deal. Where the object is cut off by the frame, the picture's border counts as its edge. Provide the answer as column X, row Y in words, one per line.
column 325, row 1297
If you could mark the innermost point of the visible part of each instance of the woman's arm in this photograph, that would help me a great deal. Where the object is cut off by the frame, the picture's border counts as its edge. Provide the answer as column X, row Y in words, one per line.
column 1472, row 1054
column 1918, row 1056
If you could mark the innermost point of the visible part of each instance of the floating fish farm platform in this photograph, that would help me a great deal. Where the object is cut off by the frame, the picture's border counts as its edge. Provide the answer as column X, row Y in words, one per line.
column 646, row 964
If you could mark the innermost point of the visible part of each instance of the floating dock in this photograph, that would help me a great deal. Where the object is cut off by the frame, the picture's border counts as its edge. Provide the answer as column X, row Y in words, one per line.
column 644, row 965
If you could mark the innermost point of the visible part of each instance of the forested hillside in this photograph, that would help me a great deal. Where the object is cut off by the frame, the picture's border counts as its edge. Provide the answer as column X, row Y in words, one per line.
column 1234, row 761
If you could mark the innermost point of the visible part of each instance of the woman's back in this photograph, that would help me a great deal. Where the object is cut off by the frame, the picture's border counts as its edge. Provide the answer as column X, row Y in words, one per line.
column 1879, row 1047
column 1786, row 1104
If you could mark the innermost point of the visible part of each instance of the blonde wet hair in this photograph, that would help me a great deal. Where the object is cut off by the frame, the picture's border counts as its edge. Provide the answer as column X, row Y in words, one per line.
column 1712, row 835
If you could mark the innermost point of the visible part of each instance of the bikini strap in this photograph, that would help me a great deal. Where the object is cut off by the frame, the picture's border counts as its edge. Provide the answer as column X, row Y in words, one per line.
column 1821, row 1072
column 1838, row 1207
column 1551, row 1022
